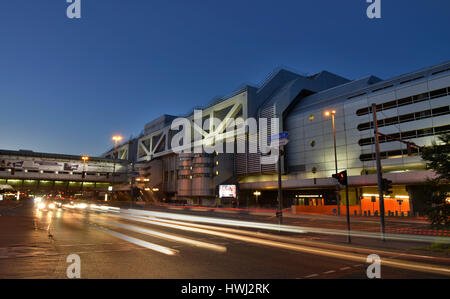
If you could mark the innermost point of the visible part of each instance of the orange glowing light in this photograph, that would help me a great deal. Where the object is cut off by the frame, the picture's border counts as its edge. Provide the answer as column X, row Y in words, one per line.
column 117, row 138
column 328, row 113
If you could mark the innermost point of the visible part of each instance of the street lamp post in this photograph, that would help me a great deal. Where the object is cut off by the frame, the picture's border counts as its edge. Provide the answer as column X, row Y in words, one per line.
column 83, row 175
column 379, row 172
column 257, row 194
column 327, row 114
column 116, row 140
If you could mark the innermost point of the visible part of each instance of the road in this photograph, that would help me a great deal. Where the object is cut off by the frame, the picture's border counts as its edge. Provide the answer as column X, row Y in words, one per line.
column 121, row 243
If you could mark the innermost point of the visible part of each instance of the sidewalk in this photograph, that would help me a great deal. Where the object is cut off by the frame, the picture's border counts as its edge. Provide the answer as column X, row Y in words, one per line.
column 288, row 213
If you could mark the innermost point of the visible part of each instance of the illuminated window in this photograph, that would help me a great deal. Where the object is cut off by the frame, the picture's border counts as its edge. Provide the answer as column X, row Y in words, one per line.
column 311, row 117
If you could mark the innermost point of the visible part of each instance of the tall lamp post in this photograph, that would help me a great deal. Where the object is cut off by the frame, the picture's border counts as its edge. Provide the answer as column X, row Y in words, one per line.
column 83, row 175
column 116, row 139
column 327, row 114
column 257, row 194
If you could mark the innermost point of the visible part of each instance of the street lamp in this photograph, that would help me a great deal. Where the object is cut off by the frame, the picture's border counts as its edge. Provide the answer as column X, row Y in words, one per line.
column 327, row 114
column 83, row 175
column 256, row 194
column 116, row 139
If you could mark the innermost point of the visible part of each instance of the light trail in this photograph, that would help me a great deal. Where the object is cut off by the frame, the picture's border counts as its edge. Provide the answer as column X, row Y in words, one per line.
column 167, row 236
column 283, row 228
column 300, row 248
column 298, row 241
column 138, row 242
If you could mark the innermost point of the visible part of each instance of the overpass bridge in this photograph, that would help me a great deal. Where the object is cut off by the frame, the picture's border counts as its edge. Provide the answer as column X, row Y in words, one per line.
column 33, row 172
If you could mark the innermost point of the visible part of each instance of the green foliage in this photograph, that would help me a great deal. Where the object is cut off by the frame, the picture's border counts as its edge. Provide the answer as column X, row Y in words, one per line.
column 438, row 210
column 438, row 157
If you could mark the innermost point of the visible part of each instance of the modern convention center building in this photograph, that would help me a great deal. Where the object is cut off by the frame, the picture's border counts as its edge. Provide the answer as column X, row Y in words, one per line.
column 413, row 107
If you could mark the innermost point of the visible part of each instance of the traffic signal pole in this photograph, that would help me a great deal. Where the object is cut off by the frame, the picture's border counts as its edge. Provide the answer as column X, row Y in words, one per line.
column 349, row 238
column 342, row 179
column 379, row 172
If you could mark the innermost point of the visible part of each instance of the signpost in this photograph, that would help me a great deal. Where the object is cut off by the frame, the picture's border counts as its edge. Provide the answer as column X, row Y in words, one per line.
column 279, row 136
column 282, row 141
column 379, row 172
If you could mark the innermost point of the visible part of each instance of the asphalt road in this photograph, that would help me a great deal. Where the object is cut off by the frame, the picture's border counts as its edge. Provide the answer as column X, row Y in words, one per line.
column 127, row 244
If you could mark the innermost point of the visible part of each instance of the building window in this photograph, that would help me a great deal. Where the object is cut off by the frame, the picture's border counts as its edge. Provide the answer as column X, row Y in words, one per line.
column 408, row 135
column 407, row 101
column 388, row 155
column 406, row 118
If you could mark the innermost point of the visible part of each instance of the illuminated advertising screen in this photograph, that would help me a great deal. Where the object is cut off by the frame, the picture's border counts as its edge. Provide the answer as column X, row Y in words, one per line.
column 227, row 191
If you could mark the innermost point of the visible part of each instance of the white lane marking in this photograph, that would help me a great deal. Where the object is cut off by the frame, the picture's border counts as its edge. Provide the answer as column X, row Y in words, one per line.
column 168, row 236
column 345, row 268
column 138, row 242
column 329, row 272
column 312, row 275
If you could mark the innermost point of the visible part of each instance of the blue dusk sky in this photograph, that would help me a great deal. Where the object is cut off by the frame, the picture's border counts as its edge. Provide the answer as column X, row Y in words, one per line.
column 67, row 85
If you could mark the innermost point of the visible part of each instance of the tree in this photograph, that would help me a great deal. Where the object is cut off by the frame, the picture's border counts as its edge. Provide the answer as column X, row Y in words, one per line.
column 438, row 157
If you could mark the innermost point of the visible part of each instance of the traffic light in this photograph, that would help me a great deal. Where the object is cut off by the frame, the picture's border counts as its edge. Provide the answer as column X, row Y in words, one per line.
column 387, row 187
column 341, row 177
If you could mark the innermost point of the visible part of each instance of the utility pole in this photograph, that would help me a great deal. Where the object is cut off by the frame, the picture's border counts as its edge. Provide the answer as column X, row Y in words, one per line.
column 280, row 192
column 83, row 174
column 116, row 139
column 379, row 172
column 282, row 141
column 113, row 174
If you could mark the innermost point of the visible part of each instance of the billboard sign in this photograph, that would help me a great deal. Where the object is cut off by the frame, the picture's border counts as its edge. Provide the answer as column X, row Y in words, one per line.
column 227, row 191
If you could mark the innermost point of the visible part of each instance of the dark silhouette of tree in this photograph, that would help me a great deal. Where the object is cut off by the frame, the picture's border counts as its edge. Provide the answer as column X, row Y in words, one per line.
column 438, row 159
